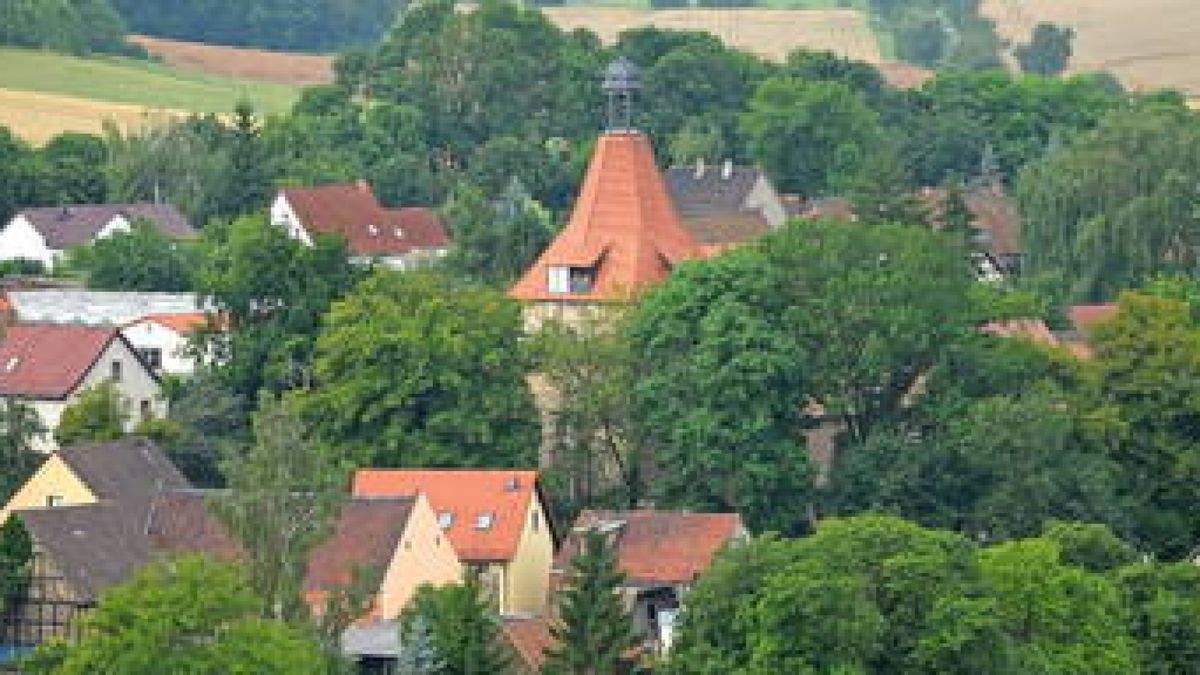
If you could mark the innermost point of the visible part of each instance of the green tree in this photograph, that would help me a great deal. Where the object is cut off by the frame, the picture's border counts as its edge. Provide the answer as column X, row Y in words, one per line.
column 1091, row 546
column 495, row 242
column 20, row 428
column 97, row 415
column 283, row 493
column 464, row 625
column 204, row 418
column 16, row 562
column 71, row 170
column 1163, row 607
column 1048, row 51
column 595, row 631
column 143, row 259
column 182, row 616
column 418, row 653
column 810, row 136
column 416, row 370
column 734, row 351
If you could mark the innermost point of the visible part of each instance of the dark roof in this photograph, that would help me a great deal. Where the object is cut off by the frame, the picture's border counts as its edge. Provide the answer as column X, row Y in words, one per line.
column 729, row 228
column 366, row 535
column 93, row 546
column 180, row 523
column 350, row 210
column 49, row 361
column 706, row 190
column 66, row 226
column 657, row 547
column 129, row 470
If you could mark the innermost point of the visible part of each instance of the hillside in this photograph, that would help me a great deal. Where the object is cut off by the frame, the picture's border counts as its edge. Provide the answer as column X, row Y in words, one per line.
column 45, row 92
column 1148, row 44
column 240, row 63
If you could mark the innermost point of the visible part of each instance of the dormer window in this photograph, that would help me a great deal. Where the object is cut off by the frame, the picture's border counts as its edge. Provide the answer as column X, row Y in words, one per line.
column 445, row 520
column 12, row 364
column 564, row 279
column 484, row 521
column 373, row 229
column 399, row 232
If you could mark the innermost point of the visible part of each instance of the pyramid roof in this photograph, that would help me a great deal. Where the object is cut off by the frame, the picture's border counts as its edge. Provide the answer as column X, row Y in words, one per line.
column 624, row 225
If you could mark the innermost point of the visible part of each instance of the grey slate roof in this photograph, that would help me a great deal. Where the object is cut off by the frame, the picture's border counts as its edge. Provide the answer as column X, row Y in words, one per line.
column 709, row 191
column 66, row 226
column 131, row 471
column 99, row 308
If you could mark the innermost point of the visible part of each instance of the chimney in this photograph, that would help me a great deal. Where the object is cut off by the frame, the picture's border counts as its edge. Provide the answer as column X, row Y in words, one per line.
column 727, row 169
column 362, row 185
column 699, row 168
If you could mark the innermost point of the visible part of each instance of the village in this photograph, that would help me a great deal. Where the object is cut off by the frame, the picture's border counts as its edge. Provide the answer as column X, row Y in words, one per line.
column 651, row 358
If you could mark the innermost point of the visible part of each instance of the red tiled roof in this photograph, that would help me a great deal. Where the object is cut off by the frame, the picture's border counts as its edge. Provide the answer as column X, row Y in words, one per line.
column 466, row 495
column 182, row 323
column 530, row 638
column 903, row 75
column 658, row 547
column 1085, row 317
column 351, row 211
column 48, row 361
column 624, row 223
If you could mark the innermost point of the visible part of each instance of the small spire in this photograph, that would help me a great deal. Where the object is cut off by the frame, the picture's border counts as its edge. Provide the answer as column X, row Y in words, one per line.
column 622, row 80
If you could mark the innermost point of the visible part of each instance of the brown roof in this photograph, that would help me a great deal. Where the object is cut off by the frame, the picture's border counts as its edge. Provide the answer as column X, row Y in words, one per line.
column 530, row 637
column 66, row 226
column 500, row 496
column 350, row 210
column 725, row 229
column 658, row 547
column 180, row 522
column 93, row 546
column 49, row 361
column 995, row 216
column 713, row 201
column 903, row 75
column 131, row 470
column 365, row 536
column 1033, row 330
column 624, row 225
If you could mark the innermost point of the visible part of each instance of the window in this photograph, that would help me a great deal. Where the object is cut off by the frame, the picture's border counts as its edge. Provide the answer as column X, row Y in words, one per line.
column 535, row 520
column 144, row 409
column 445, row 519
column 484, row 521
column 152, row 356
column 560, row 279
column 115, row 371
column 54, row 500
column 583, row 279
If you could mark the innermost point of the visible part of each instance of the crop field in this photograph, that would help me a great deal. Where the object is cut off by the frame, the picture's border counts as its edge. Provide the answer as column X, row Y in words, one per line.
column 38, row 117
column 1148, row 44
column 769, row 32
column 239, row 63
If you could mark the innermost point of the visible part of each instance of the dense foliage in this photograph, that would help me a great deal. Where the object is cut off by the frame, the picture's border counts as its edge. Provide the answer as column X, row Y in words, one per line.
column 72, row 26
column 306, row 25
column 183, row 616
column 464, row 633
column 143, row 259
column 97, row 414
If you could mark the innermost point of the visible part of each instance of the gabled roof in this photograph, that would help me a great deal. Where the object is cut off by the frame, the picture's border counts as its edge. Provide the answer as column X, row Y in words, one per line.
column 486, row 507
column 93, row 546
column 47, row 361
column 706, row 190
column 130, row 470
column 624, row 225
column 64, row 227
column 530, row 638
column 365, row 535
column 657, row 547
column 350, row 210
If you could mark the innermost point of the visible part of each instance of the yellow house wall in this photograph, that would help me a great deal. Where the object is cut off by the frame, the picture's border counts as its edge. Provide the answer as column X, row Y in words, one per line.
column 53, row 478
column 527, row 575
column 423, row 556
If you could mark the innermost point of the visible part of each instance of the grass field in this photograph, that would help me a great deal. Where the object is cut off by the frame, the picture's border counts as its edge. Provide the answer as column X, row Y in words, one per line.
column 38, row 117
column 139, row 83
column 241, row 64
column 1148, row 44
column 769, row 32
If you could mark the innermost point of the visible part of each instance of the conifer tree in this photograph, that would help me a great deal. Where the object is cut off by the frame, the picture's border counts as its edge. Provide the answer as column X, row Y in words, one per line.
column 595, row 630
column 418, row 652
column 463, row 627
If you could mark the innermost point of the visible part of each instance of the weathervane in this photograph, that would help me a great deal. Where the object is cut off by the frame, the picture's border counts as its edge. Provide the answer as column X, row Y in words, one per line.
column 621, row 80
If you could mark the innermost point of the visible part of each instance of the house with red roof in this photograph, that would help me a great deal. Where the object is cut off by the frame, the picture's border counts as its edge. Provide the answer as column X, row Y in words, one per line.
column 400, row 238
column 45, row 234
column 496, row 520
column 164, row 340
column 624, row 235
column 661, row 553
column 49, row 366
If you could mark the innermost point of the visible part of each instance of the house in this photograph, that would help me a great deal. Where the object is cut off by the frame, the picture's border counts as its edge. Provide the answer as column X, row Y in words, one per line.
column 661, row 553
column 163, row 340
column 527, row 638
column 726, row 205
column 46, row 234
column 49, row 366
column 496, row 520
column 396, row 238
column 97, row 513
column 625, row 232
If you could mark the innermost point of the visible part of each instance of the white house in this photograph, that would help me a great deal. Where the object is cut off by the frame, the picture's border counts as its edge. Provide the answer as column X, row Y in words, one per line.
column 397, row 238
column 49, row 366
column 163, row 341
column 46, row 234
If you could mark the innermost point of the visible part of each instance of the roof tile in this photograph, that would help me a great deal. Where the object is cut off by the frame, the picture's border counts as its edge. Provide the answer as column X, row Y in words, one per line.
column 351, row 211
column 49, row 361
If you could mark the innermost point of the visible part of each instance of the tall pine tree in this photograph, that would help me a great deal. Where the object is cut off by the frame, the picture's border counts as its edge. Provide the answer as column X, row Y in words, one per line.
column 595, row 631
column 464, row 630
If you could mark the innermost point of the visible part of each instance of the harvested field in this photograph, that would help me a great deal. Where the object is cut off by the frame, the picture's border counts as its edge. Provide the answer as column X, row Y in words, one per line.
column 1148, row 44
column 769, row 32
column 38, row 117
column 240, row 63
